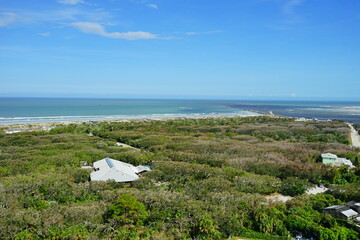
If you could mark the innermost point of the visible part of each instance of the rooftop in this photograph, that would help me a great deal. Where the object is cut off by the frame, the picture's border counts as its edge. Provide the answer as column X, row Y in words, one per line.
column 334, row 207
column 328, row 155
column 110, row 169
column 349, row 213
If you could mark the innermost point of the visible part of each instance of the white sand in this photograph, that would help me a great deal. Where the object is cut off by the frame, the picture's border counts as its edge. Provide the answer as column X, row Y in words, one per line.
column 316, row 190
column 278, row 198
column 126, row 146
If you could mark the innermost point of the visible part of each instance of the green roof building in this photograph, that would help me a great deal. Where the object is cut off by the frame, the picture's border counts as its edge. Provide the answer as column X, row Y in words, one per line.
column 329, row 158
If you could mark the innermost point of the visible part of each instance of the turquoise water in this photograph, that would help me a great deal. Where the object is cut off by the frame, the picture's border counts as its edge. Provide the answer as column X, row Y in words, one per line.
column 31, row 110
column 35, row 110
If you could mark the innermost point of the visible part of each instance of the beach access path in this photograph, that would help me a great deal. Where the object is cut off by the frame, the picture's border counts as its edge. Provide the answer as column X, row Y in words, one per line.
column 127, row 146
column 355, row 138
column 277, row 197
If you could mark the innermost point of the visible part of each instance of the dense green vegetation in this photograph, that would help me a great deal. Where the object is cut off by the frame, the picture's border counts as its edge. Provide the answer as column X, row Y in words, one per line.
column 209, row 180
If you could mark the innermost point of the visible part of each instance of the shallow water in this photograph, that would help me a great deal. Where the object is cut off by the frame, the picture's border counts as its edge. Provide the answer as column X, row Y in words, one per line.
column 38, row 110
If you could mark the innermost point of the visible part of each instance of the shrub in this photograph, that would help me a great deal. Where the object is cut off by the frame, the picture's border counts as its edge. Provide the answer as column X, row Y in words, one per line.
column 206, row 229
column 25, row 235
column 76, row 232
column 252, row 183
column 126, row 210
column 81, row 175
column 293, row 186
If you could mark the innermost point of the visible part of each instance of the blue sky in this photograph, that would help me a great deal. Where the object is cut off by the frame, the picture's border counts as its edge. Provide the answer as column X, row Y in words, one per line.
column 233, row 49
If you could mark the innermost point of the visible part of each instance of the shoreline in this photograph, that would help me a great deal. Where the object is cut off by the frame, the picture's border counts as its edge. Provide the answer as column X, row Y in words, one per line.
column 49, row 125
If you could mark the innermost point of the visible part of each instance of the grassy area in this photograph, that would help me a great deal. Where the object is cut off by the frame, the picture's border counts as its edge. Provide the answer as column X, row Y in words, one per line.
column 209, row 180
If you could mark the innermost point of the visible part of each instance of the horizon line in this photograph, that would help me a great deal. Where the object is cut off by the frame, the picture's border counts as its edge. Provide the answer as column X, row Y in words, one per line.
column 194, row 99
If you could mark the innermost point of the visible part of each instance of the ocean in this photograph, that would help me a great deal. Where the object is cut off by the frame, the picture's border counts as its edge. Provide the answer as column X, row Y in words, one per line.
column 348, row 111
column 39, row 110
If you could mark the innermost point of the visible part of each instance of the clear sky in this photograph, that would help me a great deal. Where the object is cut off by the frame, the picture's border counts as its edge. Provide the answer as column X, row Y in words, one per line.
column 213, row 49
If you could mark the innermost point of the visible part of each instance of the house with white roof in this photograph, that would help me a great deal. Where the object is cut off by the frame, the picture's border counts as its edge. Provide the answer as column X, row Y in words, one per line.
column 329, row 158
column 354, row 206
column 110, row 169
column 341, row 211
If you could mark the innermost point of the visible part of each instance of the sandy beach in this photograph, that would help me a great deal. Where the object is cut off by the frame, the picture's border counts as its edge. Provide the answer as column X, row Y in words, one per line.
column 46, row 126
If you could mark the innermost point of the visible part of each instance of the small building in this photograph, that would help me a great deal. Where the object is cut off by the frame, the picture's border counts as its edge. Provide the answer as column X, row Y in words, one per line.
column 354, row 206
column 329, row 158
column 340, row 211
column 110, row 169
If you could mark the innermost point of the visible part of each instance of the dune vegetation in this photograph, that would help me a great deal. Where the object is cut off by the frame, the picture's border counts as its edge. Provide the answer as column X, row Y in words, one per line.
column 209, row 180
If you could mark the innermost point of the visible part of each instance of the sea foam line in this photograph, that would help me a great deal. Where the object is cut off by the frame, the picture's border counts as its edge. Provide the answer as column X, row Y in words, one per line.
column 42, row 119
